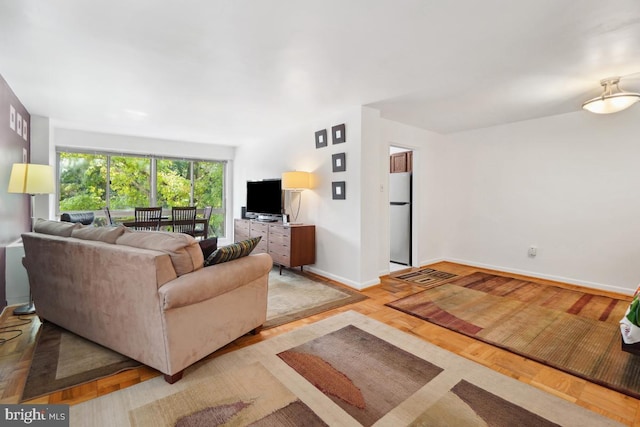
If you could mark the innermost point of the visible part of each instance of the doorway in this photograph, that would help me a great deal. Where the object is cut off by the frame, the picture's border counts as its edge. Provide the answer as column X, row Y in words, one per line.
column 400, row 208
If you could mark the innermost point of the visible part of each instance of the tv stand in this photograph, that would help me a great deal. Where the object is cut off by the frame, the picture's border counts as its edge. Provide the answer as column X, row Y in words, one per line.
column 289, row 245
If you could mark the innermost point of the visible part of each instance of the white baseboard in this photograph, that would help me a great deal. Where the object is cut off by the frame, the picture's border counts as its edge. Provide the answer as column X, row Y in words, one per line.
column 355, row 285
column 431, row 261
column 562, row 279
column 568, row 280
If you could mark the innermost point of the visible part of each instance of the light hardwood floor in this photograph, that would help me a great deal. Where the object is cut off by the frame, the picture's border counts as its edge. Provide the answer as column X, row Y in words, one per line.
column 15, row 355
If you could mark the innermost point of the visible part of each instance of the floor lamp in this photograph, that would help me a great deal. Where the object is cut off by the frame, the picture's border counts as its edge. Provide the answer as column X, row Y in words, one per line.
column 32, row 179
column 295, row 182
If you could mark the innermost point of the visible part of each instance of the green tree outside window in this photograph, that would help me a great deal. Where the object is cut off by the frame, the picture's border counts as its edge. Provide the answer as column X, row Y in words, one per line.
column 83, row 184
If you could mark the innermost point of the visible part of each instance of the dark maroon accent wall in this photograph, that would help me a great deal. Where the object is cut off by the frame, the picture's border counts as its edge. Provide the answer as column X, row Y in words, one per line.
column 14, row 148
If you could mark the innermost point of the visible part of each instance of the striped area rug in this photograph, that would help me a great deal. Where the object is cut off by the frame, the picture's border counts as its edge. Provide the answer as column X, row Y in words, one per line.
column 567, row 329
column 426, row 277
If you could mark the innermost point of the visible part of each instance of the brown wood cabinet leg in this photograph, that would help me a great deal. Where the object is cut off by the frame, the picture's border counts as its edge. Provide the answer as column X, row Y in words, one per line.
column 173, row 378
column 256, row 331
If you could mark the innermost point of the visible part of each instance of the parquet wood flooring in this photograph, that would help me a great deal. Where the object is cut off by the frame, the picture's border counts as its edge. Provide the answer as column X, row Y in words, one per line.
column 15, row 355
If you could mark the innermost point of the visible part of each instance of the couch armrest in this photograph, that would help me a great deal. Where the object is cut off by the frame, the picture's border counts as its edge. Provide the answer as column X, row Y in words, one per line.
column 209, row 282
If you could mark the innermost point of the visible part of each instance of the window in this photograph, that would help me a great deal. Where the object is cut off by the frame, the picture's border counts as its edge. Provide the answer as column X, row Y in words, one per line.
column 91, row 181
column 174, row 183
column 130, row 182
column 208, row 176
column 83, row 181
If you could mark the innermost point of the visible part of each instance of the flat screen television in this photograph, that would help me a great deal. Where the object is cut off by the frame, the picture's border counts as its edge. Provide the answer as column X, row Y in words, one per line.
column 264, row 197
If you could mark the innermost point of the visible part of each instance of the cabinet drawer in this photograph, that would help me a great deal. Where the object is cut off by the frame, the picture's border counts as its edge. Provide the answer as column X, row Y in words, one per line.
column 242, row 225
column 280, row 259
column 261, row 247
column 278, row 239
column 276, row 248
column 258, row 227
column 240, row 236
column 279, row 230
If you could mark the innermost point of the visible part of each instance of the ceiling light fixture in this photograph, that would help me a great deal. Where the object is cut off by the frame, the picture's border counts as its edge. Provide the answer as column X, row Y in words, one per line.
column 612, row 99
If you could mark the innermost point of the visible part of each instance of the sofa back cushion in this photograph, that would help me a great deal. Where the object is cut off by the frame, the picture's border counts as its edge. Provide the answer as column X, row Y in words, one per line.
column 55, row 228
column 183, row 249
column 101, row 234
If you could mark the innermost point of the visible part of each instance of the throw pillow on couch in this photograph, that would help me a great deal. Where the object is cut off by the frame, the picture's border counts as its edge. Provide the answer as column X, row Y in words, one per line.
column 232, row 251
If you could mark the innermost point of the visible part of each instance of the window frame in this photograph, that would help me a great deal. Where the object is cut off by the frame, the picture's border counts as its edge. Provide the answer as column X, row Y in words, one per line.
column 153, row 181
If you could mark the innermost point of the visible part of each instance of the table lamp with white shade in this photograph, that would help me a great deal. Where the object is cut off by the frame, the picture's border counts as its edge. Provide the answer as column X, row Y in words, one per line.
column 295, row 182
column 32, row 179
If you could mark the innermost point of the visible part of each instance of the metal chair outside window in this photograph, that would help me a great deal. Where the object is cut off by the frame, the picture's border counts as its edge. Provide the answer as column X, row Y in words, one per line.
column 202, row 230
column 147, row 218
column 184, row 219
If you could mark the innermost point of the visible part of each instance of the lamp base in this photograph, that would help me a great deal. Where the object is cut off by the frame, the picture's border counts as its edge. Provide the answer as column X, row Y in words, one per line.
column 24, row 309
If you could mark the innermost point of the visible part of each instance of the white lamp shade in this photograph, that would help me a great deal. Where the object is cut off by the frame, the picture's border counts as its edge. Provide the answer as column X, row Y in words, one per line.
column 31, row 179
column 295, row 180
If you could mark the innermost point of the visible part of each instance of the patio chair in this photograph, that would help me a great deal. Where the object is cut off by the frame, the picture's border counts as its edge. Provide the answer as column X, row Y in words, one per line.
column 184, row 219
column 202, row 228
column 147, row 218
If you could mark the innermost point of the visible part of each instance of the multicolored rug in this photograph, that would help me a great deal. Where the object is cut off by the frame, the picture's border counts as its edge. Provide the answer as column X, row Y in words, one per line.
column 426, row 277
column 294, row 295
column 346, row 370
column 570, row 330
column 62, row 359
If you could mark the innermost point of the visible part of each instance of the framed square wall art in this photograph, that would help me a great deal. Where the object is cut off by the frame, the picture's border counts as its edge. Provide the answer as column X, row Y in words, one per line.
column 339, row 190
column 321, row 138
column 339, row 162
column 12, row 117
column 339, row 134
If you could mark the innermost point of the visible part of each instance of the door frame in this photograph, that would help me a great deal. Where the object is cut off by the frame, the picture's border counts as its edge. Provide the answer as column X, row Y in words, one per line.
column 415, row 184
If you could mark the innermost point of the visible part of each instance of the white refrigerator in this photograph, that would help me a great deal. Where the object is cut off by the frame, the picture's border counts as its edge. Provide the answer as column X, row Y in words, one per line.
column 400, row 217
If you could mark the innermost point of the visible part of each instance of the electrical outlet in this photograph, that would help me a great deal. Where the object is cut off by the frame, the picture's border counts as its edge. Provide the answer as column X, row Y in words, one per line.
column 533, row 251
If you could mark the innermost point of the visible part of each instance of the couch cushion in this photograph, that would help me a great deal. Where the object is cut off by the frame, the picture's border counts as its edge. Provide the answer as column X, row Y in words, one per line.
column 55, row 228
column 101, row 234
column 233, row 251
column 183, row 249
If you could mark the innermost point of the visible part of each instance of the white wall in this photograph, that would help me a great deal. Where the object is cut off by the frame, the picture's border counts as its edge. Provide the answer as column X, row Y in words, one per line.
column 338, row 222
column 429, row 190
column 43, row 152
column 47, row 136
column 139, row 145
column 568, row 184
column 374, row 200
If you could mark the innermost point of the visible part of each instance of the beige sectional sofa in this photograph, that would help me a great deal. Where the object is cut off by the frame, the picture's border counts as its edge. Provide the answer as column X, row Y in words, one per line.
column 146, row 295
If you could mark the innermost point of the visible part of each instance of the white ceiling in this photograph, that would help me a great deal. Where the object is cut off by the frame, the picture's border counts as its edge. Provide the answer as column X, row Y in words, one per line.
column 231, row 71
